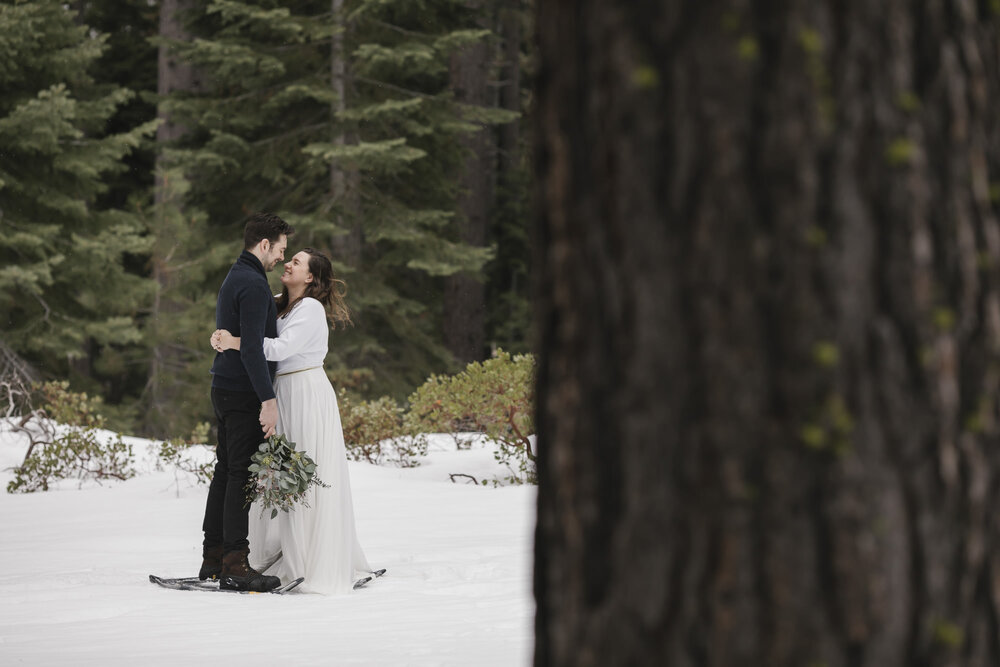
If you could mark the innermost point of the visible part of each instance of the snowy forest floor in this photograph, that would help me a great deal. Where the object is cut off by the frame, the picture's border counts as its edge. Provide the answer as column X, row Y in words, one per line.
column 74, row 565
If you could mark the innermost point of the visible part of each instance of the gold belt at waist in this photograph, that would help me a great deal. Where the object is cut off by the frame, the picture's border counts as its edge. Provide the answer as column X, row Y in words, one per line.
column 301, row 370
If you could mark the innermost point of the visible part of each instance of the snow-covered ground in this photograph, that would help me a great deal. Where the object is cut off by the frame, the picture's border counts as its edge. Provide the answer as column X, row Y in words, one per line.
column 74, row 565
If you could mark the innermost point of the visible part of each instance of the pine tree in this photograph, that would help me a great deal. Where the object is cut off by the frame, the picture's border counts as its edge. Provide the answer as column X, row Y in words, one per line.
column 119, row 373
column 272, row 132
column 471, row 74
column 181, row 317
column 128, row 61
column 508, row 314
column 65, row 289
column 176, row 324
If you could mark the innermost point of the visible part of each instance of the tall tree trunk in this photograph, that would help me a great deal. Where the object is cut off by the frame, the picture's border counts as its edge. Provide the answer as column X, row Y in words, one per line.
column 769, row 354
column 465, row 295
column 510, row 221
column 174, row 75
column 511, row 14
column 344, row 183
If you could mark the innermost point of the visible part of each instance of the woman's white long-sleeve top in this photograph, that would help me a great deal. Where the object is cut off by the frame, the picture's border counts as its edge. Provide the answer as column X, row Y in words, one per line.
column 303, row 338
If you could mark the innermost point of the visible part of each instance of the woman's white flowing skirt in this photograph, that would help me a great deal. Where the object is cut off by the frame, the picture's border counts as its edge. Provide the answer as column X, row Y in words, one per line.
column 318, row 542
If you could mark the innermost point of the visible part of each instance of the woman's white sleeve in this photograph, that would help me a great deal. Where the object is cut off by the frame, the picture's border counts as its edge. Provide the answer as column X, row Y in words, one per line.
column 300, row 330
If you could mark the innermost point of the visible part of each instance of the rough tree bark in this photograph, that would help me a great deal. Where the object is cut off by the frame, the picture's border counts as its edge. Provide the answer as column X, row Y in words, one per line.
column 769, row 333
column 174, row 74
column 509, row 139
column 167, row 356
column 464, row 317
column 510, row 169
column 344, row 182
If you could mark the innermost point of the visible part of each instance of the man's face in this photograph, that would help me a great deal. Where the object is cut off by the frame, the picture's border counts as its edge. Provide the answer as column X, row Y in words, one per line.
column 274, row 252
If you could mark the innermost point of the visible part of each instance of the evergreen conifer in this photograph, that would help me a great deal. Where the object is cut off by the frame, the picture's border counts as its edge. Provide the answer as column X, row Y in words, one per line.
column 64, row 287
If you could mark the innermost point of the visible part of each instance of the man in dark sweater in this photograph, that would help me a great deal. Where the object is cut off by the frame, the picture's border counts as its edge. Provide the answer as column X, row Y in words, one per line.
column 244, row 403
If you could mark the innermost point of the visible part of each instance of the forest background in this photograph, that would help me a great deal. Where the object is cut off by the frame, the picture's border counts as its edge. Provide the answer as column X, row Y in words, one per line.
column 137, row 136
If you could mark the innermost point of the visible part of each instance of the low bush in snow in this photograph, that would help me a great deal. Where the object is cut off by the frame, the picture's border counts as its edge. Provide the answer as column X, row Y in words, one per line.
column 495, row 397
column 182, row 456
column 377, row 432
column 64, row 442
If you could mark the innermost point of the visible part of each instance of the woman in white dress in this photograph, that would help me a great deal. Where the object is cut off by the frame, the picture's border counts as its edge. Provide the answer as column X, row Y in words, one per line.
column 318, row 542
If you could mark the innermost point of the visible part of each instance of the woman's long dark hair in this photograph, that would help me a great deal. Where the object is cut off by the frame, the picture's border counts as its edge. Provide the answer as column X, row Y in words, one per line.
column 326, row 289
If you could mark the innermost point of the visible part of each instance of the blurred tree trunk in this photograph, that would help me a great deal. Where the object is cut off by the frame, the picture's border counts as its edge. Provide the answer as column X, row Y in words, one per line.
column 167, row 355
column 769, row 333
column 508, row 316
column 344, row 182
column 511, row 16
column 464, row 294
column 174, row 74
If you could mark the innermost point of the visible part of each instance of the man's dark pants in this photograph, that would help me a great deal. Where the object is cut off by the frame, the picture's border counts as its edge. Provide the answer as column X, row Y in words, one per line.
column 227, row 513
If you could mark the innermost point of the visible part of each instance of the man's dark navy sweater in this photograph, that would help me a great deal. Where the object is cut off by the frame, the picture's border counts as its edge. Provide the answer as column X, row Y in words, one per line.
column 246, row 309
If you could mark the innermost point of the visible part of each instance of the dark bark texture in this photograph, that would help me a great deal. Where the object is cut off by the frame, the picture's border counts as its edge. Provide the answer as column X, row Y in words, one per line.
column 767, row 259
column 345, row 183
column 174, row 74
column 464, row 294
column 510, row 17
column 167, row 356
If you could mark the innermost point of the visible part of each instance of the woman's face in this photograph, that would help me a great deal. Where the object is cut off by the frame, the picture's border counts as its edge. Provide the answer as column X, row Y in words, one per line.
column 296, row 272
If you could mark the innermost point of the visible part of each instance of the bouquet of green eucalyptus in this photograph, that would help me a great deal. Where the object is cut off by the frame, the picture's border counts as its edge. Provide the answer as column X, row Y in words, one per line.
column 280, row 475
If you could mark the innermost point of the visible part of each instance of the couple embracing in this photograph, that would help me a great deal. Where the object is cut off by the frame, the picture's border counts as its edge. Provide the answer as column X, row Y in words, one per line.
column 268, row 377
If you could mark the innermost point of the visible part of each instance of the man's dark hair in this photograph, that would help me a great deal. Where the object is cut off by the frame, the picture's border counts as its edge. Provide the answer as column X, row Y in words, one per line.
column 265, row 226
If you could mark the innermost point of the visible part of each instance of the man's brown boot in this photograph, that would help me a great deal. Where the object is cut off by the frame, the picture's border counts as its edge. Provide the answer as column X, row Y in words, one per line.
column 237, row 575
column 211, row 563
